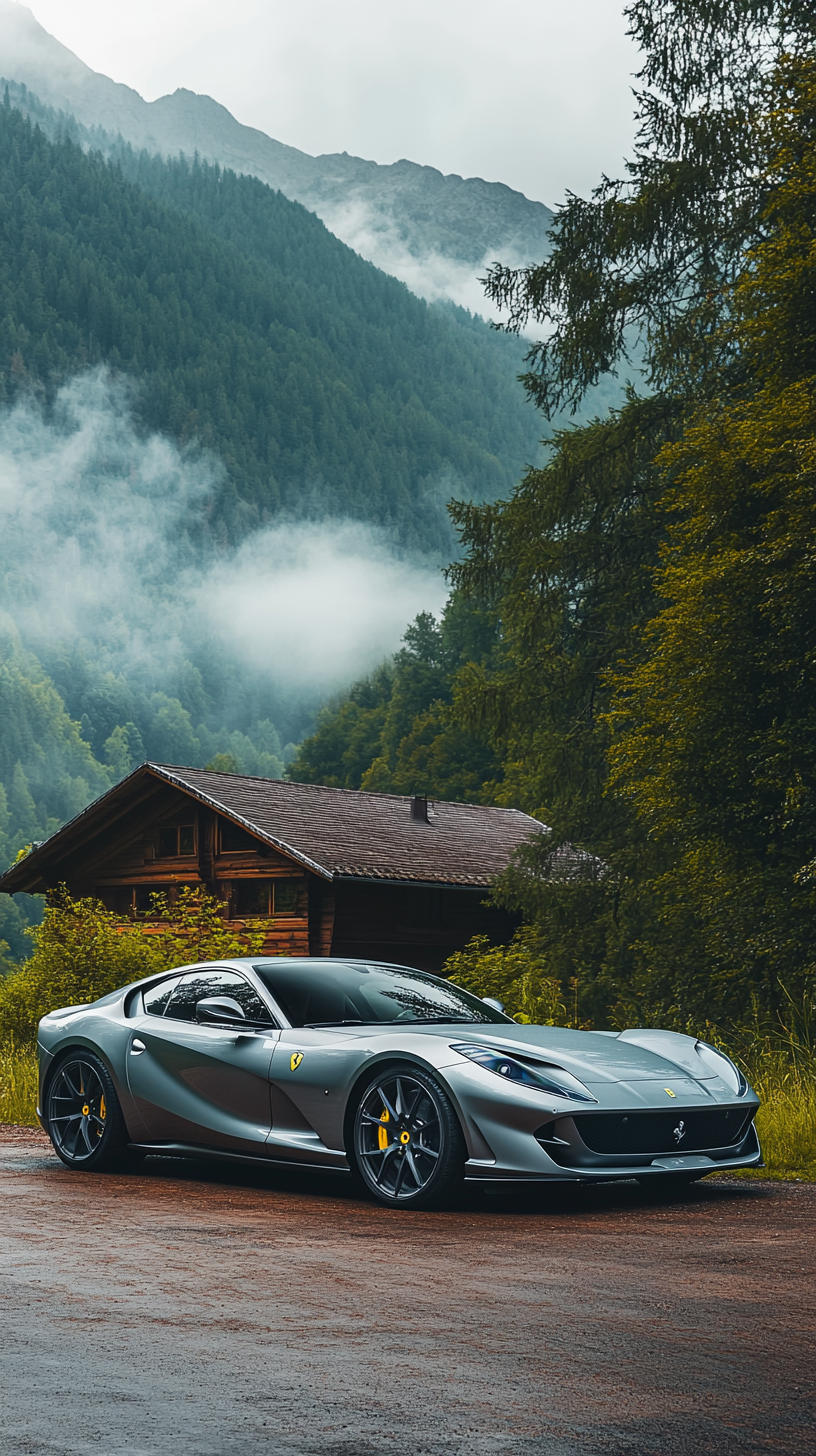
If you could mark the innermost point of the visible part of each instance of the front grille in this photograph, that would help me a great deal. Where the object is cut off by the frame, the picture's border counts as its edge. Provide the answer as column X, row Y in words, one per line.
column 663, row 1132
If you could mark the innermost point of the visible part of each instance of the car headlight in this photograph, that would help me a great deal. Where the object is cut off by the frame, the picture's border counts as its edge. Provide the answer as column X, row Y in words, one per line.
column 723, row 1066
column 556, row 1083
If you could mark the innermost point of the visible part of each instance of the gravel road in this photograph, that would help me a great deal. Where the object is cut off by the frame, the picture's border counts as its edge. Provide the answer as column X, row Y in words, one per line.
column 190, row 1311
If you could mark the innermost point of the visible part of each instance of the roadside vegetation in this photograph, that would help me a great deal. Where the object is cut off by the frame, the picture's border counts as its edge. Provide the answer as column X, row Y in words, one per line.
column 82, row 951
column 629, row 649
column 18, row 1084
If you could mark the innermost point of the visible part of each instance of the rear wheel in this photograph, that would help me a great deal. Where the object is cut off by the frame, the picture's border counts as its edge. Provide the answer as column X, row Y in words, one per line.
column 83, row 1116
column 408, row 1145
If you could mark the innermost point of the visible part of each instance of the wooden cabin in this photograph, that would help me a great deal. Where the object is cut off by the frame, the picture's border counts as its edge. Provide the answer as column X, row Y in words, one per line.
column 333, row 871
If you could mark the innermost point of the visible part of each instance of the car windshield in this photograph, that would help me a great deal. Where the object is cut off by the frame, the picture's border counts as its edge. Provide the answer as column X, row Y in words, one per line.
column 338, row 995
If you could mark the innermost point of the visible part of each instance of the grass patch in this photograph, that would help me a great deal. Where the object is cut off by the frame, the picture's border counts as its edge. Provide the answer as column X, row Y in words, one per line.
column 786, row 1123
column 18, row 1084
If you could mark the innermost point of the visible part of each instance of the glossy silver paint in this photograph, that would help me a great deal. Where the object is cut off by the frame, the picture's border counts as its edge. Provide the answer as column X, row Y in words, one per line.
column 287, row 1094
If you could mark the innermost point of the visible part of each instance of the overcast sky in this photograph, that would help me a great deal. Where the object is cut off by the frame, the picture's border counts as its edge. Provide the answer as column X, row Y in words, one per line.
column 534, row 93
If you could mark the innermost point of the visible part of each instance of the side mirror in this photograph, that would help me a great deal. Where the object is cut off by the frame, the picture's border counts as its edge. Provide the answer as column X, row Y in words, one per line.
column 218, row 1009
column 491, row 1001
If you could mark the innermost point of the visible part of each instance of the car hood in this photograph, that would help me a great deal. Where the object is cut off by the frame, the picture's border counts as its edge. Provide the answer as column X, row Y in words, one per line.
column 592, row 1056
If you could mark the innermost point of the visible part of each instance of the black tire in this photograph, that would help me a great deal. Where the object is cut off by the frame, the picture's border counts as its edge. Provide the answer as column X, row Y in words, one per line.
column 407, row 1146
column 83, row 1117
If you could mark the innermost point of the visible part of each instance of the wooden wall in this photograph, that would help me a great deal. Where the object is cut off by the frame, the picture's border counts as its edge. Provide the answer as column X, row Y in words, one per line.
column 415, row 925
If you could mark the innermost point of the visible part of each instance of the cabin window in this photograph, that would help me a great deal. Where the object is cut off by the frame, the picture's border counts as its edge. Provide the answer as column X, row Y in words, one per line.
column 263, row 898
column 176, row 840
column 235, row 840
column 285, row 892
column 143, row 897
column 253, row 897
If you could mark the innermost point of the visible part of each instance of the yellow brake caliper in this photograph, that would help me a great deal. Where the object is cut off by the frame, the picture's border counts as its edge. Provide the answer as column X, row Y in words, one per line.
column 382, row 1133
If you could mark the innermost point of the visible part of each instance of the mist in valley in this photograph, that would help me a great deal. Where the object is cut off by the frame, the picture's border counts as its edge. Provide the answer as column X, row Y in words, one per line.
column 130, row 631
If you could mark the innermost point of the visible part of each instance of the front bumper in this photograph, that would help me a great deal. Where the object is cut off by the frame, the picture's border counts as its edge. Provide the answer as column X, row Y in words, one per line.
column 692, row 1164
column 627, row 1134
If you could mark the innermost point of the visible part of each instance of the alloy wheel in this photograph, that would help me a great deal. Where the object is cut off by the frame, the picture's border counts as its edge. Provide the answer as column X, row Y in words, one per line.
column 77, row 1110
column 399, row 1137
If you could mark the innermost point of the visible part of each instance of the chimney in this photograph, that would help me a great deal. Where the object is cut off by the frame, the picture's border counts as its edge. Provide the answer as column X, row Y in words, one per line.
column 419, row 808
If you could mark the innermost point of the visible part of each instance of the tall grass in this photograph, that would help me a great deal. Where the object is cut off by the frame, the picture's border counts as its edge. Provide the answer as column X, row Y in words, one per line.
column 786, row 1123
column 18, row 1084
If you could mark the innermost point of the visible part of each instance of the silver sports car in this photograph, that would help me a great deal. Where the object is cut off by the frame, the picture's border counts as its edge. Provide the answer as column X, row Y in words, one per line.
column 404, row 1080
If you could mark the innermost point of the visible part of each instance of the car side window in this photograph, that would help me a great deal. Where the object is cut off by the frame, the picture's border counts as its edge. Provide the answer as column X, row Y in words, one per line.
column 156, row 998
column 193, row 987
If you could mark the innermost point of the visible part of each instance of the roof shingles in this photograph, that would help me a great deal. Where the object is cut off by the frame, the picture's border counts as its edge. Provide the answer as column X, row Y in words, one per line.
column 368, row 836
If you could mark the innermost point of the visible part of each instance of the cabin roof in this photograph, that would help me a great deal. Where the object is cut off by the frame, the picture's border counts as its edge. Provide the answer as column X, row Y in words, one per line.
column 335, row 833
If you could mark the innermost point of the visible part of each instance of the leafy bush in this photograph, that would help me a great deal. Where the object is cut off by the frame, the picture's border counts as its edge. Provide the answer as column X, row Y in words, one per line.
column 82, row 951
column 515, row 974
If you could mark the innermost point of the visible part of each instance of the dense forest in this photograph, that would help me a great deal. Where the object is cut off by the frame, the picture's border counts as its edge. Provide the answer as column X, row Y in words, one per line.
column 642, row 610
column 324, row 386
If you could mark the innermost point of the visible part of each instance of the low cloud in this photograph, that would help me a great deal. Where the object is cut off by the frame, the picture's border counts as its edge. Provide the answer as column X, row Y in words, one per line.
column 315, row 604
column 431, row 275
column 104, row 539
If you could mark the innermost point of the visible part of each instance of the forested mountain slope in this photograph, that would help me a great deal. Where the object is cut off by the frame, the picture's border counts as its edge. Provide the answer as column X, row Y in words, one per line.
column 325, row 387
column 399, row 212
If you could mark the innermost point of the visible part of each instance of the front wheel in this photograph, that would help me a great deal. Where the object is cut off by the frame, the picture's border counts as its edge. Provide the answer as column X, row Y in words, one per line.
column 82, row 1114
column 408, row 1145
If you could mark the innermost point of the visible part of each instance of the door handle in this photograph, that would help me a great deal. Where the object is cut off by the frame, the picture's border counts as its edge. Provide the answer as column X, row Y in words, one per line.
column 137, row 1047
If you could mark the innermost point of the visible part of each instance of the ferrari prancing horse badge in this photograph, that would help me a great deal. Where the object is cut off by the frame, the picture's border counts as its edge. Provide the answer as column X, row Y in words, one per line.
column 295, row 1060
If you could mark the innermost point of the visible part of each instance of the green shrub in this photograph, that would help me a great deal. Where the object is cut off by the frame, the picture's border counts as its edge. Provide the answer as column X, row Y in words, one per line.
column 82, row 951
column 515, row 974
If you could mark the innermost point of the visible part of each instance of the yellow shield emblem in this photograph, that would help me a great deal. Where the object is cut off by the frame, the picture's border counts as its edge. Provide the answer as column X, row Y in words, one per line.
column 668, row 1092
column 295, row 1060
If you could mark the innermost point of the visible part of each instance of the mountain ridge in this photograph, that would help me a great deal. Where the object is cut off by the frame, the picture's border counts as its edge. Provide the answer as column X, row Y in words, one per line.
column 395, row 214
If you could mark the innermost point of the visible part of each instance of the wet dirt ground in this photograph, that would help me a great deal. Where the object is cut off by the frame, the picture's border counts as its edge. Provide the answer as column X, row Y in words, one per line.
column 207, row 1312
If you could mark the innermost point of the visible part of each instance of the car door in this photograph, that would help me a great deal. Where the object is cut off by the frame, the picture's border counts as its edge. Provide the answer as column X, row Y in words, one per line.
column 310, row 1073
column 197, row 1083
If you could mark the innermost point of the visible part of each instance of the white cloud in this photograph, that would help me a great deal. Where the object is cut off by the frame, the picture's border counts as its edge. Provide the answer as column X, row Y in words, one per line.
column 102, row 541
column 316, row 604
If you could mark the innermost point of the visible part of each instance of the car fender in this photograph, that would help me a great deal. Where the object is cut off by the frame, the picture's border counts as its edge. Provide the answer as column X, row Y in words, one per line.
column 477, row 1146
column 78, row 1041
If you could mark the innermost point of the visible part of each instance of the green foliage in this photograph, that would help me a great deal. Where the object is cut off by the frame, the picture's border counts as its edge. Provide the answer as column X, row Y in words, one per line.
column 654, row 582
column 648, row 690
column 18, row 1085
column 394, row 731
column 518, row 975
column 47, row 771
column 82, row 951
column 223, row 763
column 192, row 928
column 323, row 385
column 778, row 1055
column 644, row 269
column 714, row 730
